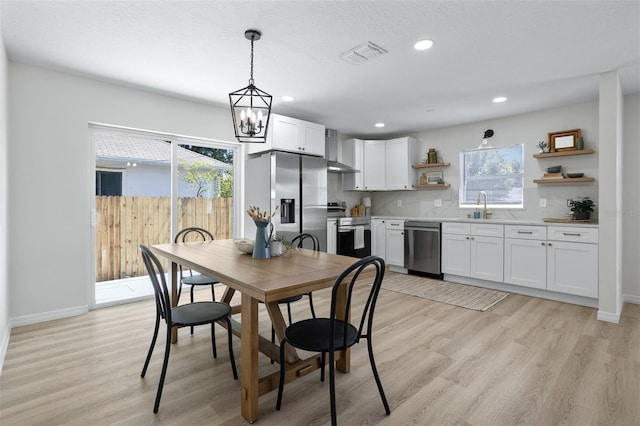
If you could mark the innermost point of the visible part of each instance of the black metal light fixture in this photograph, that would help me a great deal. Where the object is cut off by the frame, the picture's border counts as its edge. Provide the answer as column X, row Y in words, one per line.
column 250, row 106
column 485, row 139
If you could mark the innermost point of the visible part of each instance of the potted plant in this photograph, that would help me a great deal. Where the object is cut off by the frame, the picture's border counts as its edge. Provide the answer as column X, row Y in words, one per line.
column 280, row 246
column 542, row 145
column 581, row 208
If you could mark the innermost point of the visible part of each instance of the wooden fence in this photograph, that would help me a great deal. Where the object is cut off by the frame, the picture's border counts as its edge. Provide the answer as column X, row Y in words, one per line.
column 126, row 222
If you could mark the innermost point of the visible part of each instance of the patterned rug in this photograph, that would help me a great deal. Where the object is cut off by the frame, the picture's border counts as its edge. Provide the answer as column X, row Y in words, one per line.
column 464, row 296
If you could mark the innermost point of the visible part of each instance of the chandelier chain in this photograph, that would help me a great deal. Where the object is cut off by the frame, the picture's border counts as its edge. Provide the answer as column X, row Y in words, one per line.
column 251, row 78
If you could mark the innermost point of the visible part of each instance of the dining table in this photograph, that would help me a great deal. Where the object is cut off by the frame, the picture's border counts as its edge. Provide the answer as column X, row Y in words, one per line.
column 260, row 280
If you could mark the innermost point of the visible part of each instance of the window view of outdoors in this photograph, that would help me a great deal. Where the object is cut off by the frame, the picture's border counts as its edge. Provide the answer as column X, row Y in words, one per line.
column 499, row 172
column 134, row 205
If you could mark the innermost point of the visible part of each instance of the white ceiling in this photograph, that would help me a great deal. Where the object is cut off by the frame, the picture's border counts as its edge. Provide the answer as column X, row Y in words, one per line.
column 539, row 54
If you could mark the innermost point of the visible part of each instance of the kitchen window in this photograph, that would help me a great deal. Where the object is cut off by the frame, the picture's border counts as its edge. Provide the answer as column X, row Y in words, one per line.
column 499, row 172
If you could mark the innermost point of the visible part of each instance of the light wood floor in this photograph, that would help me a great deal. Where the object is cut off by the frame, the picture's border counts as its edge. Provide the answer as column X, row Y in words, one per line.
column 525, row 361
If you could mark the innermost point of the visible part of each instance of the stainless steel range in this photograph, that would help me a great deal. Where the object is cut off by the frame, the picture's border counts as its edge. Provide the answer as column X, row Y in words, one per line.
column 354, row 236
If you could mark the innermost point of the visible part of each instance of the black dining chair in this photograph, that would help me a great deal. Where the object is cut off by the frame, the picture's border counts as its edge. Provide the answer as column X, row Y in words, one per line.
column 191, row 314
column 332, row 334
column 302, row 240
column 187, row 277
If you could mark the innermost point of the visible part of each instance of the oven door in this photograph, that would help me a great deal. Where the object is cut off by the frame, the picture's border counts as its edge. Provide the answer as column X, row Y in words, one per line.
column 349, row 244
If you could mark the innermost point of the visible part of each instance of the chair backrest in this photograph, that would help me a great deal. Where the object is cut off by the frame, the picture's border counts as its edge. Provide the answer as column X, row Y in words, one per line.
column 158, row 280
column 311, row 239
column 192, row 234
column 350, row 277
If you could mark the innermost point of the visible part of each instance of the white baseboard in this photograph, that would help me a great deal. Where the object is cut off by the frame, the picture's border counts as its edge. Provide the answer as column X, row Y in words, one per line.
column 49, row 316
column 628, row 298
column 4, row 344
column 609, row 316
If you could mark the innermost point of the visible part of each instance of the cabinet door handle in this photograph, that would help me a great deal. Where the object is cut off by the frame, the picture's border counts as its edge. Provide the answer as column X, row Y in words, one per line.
column 525, row 232
column 542, row 243
column 467, row 238
column 549, row 244
column 571, row 234
column 471, row 238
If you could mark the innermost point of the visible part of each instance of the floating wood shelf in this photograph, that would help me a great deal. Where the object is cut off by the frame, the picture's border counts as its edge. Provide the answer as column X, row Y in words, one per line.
column 565, row 180
column 432, row 186
column 425, row 165
column 564, row 153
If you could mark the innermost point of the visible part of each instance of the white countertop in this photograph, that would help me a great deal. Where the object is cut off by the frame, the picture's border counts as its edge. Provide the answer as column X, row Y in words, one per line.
column 497, row 221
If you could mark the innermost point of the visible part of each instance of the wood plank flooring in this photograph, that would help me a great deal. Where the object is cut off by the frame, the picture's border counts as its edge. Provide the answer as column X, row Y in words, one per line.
column 526, row 361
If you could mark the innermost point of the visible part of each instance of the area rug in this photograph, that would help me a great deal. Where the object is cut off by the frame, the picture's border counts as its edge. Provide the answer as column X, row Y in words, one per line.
column 464, row 296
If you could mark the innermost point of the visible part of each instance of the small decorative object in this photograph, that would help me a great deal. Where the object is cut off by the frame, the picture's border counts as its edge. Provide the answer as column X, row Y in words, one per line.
column 580, row 143
column 581, row 208
column 575, row 175
column 565, row 140
column 434, row 178
column 554, row 169
column 543, row 147
column 423, row 179
column 432, row 156
column 264, row 231
column 280, row 246
column 244, row 245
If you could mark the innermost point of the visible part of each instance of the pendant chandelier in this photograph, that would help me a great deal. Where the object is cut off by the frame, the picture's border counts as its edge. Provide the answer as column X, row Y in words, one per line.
column 250, row 106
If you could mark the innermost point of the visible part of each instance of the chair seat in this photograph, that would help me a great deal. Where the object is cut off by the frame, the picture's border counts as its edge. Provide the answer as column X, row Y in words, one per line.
column 290, row 299
column 199, row 313
column 313, row 335
column 199, row 280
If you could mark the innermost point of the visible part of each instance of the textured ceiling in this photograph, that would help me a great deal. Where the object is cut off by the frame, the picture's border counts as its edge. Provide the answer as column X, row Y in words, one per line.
column 540, row 54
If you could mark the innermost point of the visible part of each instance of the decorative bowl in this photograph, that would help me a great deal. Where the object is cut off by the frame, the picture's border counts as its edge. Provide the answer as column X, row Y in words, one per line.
column 575, row 175
column 245, row 245
column 554, row 169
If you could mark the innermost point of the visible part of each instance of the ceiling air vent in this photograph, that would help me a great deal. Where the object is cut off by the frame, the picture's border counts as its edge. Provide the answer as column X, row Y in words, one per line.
column 363, row 53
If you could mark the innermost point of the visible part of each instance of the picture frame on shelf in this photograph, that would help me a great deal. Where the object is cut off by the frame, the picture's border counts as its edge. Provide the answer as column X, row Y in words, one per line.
column 564, row 140
column 434, row 178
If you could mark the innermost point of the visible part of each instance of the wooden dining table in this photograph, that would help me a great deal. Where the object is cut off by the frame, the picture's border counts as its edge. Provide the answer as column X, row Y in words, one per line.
column 260, row 280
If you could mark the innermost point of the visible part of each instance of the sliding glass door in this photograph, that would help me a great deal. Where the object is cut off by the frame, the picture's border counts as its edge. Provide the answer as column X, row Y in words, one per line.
column 147, row 187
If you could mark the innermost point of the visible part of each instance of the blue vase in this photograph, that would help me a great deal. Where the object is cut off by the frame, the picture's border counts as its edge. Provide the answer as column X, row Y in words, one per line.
column 262, row 245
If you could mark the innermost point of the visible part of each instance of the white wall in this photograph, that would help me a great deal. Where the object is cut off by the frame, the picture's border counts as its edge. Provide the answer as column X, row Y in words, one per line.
column 527, row 129
column 4, row 286
column 49, row 195
column 631, row 200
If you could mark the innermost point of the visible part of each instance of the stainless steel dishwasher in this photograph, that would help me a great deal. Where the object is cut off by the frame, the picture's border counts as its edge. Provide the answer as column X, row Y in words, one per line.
column 422, row 247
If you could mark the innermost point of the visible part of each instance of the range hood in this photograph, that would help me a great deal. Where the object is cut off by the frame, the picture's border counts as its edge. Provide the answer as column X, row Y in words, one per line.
column 331, row 154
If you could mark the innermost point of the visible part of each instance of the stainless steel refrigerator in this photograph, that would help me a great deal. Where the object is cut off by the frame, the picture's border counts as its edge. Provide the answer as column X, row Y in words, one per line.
column 295, row 183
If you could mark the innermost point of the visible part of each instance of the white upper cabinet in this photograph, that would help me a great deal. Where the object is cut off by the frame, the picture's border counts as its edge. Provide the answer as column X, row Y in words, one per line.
column 292, row 135
column 385, row 165
column 374, row 165
column 401, row 153
column 353, row 155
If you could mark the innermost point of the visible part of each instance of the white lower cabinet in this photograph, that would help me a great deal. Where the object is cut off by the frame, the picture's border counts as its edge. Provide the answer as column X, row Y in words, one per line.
column 525, row 256
column 572, row 267
column 332, row 235
column 379, row 238
column 395, row 243
column 473, row 250
column 561, row 259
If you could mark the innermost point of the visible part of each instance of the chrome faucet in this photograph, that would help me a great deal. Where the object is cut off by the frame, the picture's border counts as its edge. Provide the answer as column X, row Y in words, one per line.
column 485, row 212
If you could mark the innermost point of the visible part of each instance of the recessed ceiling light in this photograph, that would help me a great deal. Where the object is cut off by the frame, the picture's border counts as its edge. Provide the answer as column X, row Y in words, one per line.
column 379, row 124
column 499, row 99
column 423, row 44
column 288, row 98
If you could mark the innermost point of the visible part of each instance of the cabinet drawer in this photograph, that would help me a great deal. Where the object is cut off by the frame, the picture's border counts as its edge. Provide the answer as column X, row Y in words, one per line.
column 487, row 229
column 395, row 224
column 572, row 233
column 459, row 228
column 525, row 232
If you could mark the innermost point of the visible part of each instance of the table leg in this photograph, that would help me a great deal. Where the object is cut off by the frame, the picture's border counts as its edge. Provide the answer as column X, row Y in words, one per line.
column 174, row 297
column 249, row 359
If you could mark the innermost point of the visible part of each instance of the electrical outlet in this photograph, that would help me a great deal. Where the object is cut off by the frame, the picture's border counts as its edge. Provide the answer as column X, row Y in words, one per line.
column 543, row 202
column 437, row 203
column 399, row 203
